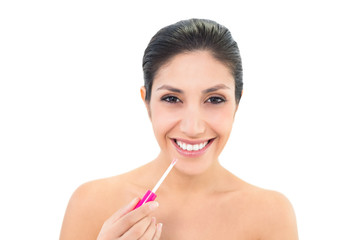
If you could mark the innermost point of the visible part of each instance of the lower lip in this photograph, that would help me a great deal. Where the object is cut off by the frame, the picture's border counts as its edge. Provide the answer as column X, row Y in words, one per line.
column 192, row 153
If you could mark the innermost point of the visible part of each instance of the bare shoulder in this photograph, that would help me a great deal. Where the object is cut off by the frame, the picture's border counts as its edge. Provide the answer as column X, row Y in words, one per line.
column 90, row 205
column 279, row 216
column 272, row 212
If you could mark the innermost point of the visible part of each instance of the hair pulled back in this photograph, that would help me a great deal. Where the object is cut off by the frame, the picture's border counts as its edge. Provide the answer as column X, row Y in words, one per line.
column 191, row 35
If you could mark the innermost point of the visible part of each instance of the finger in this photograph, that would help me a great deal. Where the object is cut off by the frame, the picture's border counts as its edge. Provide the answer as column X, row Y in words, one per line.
column 127, row 221
column 123, row 211
column 138, row 229
column 150, row 231
column 158, row 231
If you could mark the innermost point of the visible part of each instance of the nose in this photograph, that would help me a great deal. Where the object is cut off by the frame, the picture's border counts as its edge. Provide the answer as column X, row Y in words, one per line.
column 192, row 123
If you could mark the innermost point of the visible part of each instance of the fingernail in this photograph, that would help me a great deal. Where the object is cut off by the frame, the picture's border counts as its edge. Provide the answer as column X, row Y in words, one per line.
column 159, row 226
column 153, row 205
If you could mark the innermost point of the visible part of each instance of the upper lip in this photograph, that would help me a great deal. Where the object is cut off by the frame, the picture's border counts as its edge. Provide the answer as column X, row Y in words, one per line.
column 192, row 142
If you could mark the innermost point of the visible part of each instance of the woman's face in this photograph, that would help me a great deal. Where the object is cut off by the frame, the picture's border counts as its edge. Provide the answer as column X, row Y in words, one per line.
column 192, row 109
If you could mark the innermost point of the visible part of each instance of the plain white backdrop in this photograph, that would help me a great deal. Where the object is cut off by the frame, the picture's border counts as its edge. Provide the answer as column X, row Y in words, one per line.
column 71, row 112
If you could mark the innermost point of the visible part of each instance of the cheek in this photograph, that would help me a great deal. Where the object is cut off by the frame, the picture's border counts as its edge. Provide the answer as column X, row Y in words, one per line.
column 162, row 120
column 221, row 120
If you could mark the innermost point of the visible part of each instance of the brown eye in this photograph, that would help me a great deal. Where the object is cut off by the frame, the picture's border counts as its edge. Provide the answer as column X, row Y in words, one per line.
column 215, row 100
column 170, row 99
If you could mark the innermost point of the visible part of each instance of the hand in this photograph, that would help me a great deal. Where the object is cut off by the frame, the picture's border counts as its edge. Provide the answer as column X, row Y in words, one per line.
column 127, row 224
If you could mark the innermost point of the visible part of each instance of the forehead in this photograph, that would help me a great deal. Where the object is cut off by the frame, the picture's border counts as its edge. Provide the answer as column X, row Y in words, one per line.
column 194, row 69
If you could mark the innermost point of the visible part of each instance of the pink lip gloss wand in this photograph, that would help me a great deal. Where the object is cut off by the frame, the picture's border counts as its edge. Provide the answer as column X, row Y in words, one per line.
column 150, row 195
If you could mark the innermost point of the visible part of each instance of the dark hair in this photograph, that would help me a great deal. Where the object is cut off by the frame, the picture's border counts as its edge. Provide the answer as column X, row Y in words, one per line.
column 190, row 35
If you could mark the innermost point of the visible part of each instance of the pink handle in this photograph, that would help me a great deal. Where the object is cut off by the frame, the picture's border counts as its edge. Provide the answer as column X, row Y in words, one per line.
column 149, row 196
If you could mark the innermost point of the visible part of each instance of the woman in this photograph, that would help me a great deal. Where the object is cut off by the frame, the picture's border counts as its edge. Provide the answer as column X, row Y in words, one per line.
column 193, row 85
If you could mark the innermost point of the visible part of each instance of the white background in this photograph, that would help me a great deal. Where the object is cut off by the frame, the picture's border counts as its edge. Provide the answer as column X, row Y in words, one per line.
column 71, row 112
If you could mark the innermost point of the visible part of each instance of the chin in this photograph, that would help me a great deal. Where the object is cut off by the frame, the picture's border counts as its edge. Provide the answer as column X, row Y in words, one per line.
column 193, row 162
column 193, row 166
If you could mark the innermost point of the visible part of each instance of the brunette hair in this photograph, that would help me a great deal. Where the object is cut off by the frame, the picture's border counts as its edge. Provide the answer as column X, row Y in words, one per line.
column 191, row 35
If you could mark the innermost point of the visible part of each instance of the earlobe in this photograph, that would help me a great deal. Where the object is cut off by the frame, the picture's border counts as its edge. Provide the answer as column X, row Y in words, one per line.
column 143, row 96
column 143, row 93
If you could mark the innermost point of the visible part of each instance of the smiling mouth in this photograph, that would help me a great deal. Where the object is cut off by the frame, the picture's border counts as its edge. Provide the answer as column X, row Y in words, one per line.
column 191, row 147
column 194, row 149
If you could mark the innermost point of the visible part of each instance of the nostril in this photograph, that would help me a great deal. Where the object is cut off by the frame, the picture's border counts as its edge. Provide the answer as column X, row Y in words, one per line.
column 192, row 127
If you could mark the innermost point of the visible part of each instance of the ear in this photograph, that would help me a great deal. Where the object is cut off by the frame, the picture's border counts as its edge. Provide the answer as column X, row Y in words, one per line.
column 143, row 95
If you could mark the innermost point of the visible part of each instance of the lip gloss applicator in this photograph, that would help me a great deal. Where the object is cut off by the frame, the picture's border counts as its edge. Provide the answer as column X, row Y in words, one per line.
column 150, row 195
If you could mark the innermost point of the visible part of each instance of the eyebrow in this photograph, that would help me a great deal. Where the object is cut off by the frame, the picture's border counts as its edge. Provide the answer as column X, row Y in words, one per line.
column 215, row 88
column 208, row 90
column 170, row 88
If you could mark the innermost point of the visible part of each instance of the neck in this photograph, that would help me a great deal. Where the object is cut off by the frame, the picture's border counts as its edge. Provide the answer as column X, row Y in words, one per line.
column 178, row 182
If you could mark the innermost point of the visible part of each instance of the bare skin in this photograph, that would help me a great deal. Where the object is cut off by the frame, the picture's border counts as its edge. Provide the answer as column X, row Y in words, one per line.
column 230, row 209
column 192, row 102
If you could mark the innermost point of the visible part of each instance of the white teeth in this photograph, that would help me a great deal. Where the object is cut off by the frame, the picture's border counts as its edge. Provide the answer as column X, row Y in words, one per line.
column 190, row 147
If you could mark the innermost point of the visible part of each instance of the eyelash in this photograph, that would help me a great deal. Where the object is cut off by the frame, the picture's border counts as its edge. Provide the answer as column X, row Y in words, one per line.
column 212, row 100
column 173, row 99
column 218, row 100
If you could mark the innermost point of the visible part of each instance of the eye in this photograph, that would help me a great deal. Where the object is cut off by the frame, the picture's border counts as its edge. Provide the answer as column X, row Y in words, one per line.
column 170, row 99
column 215, row 100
